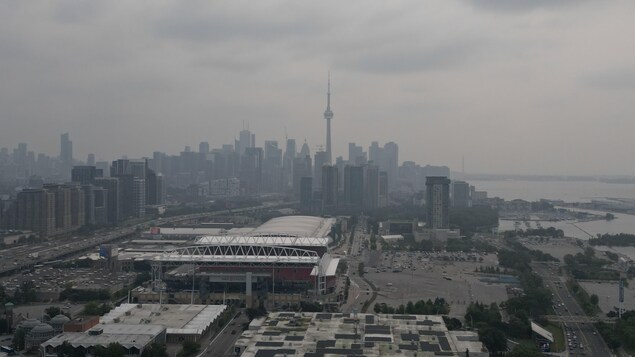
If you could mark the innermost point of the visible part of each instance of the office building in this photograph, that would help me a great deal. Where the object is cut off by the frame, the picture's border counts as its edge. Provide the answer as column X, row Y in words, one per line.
column 321, row 159
column 461, row 197
column 356, row 155
column 329, row 186
column 354, row 186
column 90, row 160
column 306, row 192
column 371, row 187
column 250, row 174
column 66, row 155
column 203, row 147
column 383, row 188
column 84, row 174
column 287, row 164
column 301, row 168
column 390, row 163
column 437, row 202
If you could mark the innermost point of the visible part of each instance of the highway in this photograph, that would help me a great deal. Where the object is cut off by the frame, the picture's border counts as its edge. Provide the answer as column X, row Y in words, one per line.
column 583, row 336
column 20, row 257
column 222, row 344
column 359, row 291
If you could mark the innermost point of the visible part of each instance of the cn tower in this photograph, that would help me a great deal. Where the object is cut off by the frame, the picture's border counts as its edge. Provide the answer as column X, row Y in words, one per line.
column 328, row 115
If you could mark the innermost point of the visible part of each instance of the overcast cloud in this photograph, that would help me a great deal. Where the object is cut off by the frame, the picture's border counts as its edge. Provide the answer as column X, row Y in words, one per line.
column 527, row 86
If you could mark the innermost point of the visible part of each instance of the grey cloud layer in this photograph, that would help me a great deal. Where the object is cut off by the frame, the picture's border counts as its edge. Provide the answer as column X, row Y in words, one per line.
column 493, row 80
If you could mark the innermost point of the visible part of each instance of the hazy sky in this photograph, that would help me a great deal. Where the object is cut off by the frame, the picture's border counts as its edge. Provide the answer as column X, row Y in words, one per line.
column 516, row 86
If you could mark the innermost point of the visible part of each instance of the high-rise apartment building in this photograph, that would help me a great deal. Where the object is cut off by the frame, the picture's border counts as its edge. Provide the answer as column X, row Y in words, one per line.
column 66, row 155
column 51, row 210
column 113, row 198
column 437, row 202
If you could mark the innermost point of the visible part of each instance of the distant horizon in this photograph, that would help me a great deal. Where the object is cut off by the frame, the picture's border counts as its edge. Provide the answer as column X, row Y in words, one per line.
column 282, row 143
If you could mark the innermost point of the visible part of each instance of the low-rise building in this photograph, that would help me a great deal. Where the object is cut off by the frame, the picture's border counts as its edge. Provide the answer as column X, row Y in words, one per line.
column 133, row 338
column 325, row 334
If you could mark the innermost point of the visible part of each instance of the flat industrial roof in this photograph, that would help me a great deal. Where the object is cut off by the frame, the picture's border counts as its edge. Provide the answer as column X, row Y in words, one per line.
column 127, row 335
column 179, row 319
column 325, row 334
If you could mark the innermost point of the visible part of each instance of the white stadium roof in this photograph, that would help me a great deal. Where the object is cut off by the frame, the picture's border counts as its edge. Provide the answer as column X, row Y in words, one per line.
column 279, row 241
column 295, row 226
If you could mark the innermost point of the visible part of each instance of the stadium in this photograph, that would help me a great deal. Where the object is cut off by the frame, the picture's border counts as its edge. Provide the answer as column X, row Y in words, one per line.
column 279, row 263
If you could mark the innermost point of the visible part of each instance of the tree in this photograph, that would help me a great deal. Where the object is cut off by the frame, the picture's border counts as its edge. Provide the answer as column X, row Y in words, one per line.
column 18, row 339
column 112, row 350
column 594, row 299
column 94, row 309
column 493, row 338
column 4, row 325
column 155, row 350
column 53, row 311
column 189, row 349
column 67, row 350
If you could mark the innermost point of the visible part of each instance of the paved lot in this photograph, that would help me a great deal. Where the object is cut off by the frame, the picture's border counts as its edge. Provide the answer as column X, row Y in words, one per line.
column 557, row 247
column 433, row 277
column 608, row 292
column 37, row 311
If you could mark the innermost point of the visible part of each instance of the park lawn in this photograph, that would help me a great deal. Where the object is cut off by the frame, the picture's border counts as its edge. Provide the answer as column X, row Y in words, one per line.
column 558, row 337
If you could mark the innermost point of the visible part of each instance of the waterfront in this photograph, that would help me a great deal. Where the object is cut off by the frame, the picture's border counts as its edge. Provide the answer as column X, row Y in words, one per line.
column 568, row 191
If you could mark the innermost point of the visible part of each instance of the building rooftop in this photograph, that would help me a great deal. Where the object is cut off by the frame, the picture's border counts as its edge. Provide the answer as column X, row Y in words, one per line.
column 127, row 335
column 178, row 319
column 323, row 334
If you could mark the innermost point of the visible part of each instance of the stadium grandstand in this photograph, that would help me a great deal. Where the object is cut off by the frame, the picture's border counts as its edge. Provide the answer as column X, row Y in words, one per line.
column 281, row 262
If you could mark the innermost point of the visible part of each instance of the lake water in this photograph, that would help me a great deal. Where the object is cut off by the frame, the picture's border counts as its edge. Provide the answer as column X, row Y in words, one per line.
column 568, row 192
column 583, row 191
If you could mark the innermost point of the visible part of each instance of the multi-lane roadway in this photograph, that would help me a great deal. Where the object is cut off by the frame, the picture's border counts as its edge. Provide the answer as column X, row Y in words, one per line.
column 581, row 338
column 359, row 291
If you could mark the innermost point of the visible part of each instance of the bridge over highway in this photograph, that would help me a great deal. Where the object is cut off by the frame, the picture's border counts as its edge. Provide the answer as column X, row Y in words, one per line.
column 578, row 319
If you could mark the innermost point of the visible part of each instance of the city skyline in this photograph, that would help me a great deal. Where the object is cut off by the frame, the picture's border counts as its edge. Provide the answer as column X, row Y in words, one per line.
column 531, row 87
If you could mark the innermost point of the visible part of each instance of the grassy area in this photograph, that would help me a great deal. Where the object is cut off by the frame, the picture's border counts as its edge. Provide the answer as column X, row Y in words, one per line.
column 558, row 337
column 583, row 298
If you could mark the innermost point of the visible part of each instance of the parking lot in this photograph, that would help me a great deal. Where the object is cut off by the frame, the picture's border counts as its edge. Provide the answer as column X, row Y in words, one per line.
column 403, row 277
column 608, row 294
